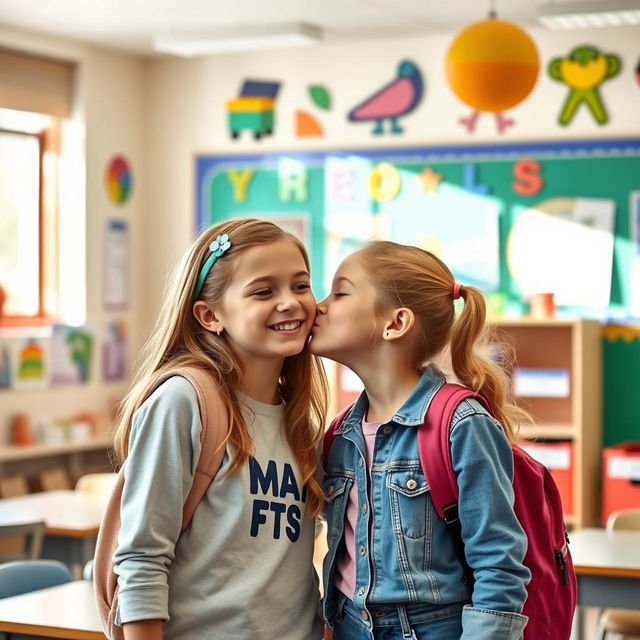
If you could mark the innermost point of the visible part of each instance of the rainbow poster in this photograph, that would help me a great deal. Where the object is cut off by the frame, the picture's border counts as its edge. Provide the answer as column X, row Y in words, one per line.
column 24, row 363
column 119, row 180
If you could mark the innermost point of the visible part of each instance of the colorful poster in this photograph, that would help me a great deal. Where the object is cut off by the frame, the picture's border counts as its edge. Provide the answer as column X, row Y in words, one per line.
column 71, row 355
column 27, row 359
column 118, row 180
column 114, row 351
column 5, row 365
column 460, row 227
column 564, row 246
column 116, row 265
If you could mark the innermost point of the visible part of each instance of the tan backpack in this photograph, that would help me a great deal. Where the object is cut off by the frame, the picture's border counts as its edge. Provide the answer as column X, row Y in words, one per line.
column 215, row 426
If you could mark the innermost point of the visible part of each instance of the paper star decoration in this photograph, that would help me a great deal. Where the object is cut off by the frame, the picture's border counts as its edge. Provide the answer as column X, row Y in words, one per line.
column 429, row 180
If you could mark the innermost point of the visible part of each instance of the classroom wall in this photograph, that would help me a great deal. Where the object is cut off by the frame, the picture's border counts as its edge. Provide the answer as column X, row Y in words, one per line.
column 187, row 114
column 109, row 118
column 161, row 113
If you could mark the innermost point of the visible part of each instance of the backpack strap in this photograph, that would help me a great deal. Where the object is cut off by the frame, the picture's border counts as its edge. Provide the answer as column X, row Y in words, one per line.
column 434, row 451
column 213, row 436
column 330, row 433
column 215, row 427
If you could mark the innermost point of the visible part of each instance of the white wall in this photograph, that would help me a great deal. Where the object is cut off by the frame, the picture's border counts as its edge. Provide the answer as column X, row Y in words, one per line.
column 187, row 100
column 109, row 119
column 162, row 113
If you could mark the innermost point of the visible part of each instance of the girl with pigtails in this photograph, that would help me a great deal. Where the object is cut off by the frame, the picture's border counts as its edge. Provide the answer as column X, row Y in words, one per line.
column 392, row 570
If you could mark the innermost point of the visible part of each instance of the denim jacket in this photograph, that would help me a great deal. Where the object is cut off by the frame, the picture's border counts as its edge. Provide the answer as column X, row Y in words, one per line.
column 404, row 553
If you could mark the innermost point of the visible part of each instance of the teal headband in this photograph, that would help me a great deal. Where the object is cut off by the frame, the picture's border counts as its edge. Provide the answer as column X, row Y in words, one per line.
column 217, row 248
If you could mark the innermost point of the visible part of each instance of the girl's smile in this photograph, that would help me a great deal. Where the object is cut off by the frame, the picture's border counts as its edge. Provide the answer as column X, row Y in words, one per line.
column 289, row 327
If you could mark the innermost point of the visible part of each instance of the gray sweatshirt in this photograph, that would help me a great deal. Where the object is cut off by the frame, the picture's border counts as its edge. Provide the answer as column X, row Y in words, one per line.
column 243, row 568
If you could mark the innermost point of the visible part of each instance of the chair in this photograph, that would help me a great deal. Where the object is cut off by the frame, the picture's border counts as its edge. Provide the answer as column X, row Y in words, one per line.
column 624, row 520
column 54, row 480
column 621, row 621
column 87, row 570
column 30, row 575
column 30, row 536
column 100, row 484
column 12, row 486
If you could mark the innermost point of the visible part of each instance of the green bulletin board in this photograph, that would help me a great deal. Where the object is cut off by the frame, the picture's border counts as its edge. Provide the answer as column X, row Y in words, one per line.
column 621, row 377
column 468, row 204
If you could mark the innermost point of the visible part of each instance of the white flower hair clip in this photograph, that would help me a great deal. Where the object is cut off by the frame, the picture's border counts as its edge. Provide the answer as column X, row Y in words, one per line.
column 220, row 245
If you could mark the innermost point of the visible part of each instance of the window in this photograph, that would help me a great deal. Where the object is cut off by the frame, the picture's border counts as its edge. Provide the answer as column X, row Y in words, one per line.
column 35, row 99
column 27, row 219
column 20, row 223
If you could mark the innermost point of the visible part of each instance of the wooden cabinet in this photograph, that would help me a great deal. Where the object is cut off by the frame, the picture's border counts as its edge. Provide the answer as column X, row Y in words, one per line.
column 572, row 346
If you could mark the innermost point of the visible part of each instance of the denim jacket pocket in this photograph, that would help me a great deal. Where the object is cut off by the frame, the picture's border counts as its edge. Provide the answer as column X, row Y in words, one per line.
column 408, row 492
column 336, row 494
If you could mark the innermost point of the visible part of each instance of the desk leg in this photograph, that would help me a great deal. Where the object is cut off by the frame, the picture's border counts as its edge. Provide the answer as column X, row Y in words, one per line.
column 61, row 549
column 74, row 552
column 88, row 550
column 580, row 622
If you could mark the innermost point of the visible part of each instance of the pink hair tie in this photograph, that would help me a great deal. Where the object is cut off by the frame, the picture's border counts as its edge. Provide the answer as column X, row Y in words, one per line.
column 456, row 290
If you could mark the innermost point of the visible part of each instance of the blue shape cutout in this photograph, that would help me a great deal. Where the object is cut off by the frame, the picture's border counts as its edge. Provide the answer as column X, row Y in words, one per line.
column 469, row 180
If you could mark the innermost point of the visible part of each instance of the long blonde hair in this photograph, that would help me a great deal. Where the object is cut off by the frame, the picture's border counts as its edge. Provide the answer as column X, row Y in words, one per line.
column 406, row 276
column 179, row 340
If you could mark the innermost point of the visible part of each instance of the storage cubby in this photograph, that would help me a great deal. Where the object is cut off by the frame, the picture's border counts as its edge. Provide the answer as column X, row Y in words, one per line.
column 574, row 346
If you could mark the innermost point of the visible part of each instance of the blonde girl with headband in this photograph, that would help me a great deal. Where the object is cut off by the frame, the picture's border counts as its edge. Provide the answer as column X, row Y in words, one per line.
column 240, row 306
column 392, row 571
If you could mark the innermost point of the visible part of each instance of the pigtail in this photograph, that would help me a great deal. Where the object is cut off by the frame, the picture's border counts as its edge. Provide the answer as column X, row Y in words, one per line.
column 477, row 371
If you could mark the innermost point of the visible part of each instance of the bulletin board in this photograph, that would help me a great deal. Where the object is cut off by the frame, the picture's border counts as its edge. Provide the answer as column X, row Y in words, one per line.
column 620, row 375
column 463, row 202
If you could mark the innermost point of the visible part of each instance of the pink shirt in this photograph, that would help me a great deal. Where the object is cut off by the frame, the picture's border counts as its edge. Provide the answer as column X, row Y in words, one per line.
column 345, row 579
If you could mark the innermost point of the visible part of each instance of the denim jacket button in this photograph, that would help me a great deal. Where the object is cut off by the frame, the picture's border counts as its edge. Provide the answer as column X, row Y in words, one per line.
column 363, row 550
column 361, row 591
column 411, row 484
column 364, row 508
column 388, row 429
column 360, row 462
column 363, row 614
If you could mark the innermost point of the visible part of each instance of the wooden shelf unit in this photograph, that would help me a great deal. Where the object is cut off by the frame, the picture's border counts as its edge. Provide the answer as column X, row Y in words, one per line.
column 573, row 345
column 76, row 457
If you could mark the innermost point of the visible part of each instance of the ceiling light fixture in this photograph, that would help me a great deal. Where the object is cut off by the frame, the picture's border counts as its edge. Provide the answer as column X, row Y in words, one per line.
column 589, row 14
column 250, row 38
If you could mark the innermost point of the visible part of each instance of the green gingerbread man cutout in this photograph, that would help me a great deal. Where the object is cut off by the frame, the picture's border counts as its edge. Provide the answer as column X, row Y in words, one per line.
column 583, row 71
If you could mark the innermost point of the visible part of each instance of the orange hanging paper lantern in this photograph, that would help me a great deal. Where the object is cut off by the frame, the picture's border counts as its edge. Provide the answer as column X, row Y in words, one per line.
column 492, row 65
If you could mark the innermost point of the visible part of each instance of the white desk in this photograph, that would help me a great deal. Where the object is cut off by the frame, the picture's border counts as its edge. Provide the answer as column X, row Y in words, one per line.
column 72, row 520
column 608, row 569
column 67, row 612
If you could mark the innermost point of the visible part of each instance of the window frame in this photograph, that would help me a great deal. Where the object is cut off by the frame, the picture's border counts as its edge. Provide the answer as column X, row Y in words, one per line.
column 48, row 140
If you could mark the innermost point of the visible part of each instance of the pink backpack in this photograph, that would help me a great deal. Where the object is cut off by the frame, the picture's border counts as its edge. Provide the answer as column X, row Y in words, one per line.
column 552, row 591
column 215, row 426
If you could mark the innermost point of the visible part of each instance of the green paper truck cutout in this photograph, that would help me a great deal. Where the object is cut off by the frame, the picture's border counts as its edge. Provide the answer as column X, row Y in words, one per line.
column 253, row 110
